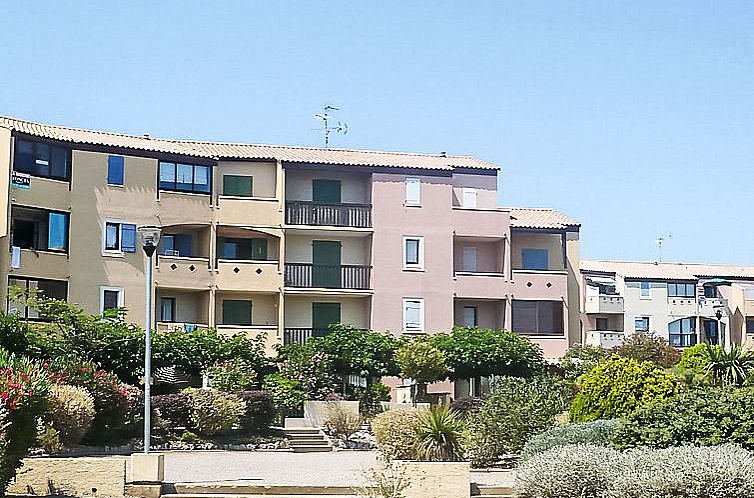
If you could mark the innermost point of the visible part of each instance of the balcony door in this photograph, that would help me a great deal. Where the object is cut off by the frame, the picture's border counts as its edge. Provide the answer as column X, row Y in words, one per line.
column 326, row 191
column 326, row 263
column 324, row 315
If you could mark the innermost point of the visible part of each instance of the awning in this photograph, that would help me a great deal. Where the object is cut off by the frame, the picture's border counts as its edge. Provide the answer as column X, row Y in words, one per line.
column 600, row 280
column 716, row 281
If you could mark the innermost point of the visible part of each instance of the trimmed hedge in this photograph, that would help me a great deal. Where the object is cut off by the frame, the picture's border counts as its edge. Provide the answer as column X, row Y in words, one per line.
column 260, row 411
column 700, row 417
column 599, row 432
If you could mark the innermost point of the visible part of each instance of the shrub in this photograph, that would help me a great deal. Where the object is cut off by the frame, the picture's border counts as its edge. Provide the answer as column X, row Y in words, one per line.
column 70, row 411
column 515, row 410
column 287, row 394
column 232, row 375
column 354, row 351
column 695, row 358
column 213, row 411
column 341, row 422
column 729, row 367
column 260, row 411
column 617, row 386
column 701, row 417
column 599, row 432
column 579, row 359
column 48, row 438
column 464, row 406
column 642, row 346
column 395, row 431
column 438, row 436
column 311, row 371
column 583, row 471
column 421, row 361
column 687, row 472
column 172, row 410
column 370, row 398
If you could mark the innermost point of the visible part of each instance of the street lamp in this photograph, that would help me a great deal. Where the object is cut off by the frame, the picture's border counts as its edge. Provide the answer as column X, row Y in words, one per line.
column 150, row 236
column 720, row 336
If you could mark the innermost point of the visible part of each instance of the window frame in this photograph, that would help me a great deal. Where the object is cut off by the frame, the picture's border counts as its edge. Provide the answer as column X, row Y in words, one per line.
column 642, row 289
column 116, row 161
column 420, row 302
column 599, row 321
column 236, row 177
column 537, row 303
column 538, row 251
column 51, row 147
column 172, row 309
column 414, row 180
column 689, row 334
column 110, row 288
column 643, row 319
column 419, row 265
column 475, row 309
column 39, row 233
column 689, row 290
column 119, row 252
column 173, row 186
column 27, row 281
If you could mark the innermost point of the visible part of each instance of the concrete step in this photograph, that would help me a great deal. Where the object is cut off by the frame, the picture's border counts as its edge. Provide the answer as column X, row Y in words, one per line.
column 303, row 430
column 256, row 495
column 308, row 442
column 237, row 490
column 312, row 449
column 492, row 491
column 298, row 437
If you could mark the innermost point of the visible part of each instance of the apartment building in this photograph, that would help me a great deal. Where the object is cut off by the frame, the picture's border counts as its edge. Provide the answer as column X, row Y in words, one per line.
column 685, row 303
column 282, row 241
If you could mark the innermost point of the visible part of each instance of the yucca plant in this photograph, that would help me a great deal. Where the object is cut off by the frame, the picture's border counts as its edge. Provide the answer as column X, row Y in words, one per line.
column 439, row 435
column 729, row 367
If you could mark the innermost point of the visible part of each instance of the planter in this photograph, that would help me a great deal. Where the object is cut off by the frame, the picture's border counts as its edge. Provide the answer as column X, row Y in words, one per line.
column 435, row 479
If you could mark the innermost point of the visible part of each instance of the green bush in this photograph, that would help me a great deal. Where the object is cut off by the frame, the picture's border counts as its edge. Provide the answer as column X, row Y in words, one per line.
column 515, row 410
column 287, row 394
column 729, row 367
column 70, row 411
column 599, row 432
column 439, row 435
column 232, row 375
column 395, row 431
column 311, row 371
column 213, row 412
column 464, row 406
column 617, row 386
column 172, row 411
column 695, row 358
column 589, row 471
column 370, row 398
column 421, row 361
column 643, row 346
column 571, row 471
column 579, row 359
column 260, row 411
column 700, row 417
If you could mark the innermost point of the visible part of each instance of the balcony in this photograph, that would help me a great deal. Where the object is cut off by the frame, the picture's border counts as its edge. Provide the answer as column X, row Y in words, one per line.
column 605, row 338
column 539, row 284
column 709, row 306
column 249, row 211
column 164, row 327
column 248, row 275
column 335, row 215
column 604, row 304
column 300, row 335
column 178, row 272
column 309, row 275
column 481, row 285
column 43, row 264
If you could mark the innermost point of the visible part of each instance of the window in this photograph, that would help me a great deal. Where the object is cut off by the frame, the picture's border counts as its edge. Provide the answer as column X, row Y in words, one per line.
column 537, row 317
column 55, row 289
column 115, row 170
column 710, row 291
column 244, row 249
column 607, row 290
column 167, row 309
column 180, row 244
column 413, row 315
column 238, row 185
column 469, row 259
column 470, row 316
column 601, row 323
column 682, row 333
column 179, row 177
column 236, row 312
column 119, row 237
column 39, row 229
column 750, row 325
column 413, row 191
column 110, row 298
column 644, row 293
column 534, row 259
column 681, row 290
column 469, row 197
column 42, row 159
column 413, row 253
column 641, row 324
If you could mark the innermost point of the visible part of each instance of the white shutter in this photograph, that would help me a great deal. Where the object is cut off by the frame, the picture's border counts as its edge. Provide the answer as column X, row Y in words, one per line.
column 469, row 197
column 469, row 259
column 413, row 191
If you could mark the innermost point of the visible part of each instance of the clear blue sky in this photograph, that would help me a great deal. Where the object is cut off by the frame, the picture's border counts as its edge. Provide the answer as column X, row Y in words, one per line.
column 635, row 117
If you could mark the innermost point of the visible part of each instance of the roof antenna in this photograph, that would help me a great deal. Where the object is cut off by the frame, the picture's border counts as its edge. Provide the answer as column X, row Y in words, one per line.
column 326, row 129
column 660, row 241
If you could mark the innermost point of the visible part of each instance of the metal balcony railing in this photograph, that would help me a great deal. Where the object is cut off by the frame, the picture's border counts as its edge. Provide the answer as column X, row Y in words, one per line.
column 327, row 276
column 320, row 214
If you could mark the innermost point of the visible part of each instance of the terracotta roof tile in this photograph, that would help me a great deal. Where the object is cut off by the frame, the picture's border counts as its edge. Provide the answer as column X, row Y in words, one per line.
column 230, row 151
column 666, row 271
column 541, row 218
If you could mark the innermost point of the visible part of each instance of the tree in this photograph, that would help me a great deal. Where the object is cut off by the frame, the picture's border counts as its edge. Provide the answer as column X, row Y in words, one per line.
column 472, row 353
column 644, row 346
column 421, row 361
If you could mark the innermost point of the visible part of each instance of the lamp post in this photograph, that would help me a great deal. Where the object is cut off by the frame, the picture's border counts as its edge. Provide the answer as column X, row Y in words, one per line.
column 720, row 336
column 150, row 236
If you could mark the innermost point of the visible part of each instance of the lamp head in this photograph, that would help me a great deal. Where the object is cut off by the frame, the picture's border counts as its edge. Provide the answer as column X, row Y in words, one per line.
column 150, row 237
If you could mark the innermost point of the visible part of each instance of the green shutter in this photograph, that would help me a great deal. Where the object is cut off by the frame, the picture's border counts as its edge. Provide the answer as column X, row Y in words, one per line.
column 326, row 263
column 236, row 312
column 238, row 185
column 259, row 249
column 326, row 191
column 324, row 315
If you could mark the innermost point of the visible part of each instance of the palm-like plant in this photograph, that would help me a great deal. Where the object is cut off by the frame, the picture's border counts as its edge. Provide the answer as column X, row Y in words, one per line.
column 439, row 435
column 731, row 367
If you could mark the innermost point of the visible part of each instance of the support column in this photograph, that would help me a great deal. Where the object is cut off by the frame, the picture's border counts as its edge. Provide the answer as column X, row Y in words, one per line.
column 507, row 258
column 508, row 318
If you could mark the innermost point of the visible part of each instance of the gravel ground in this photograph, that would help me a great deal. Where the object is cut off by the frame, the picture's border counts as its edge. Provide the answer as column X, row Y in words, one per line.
column 337, row 468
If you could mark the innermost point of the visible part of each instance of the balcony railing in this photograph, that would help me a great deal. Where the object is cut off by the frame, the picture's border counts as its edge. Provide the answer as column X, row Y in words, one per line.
column 327, row 276
column 337, row 215
column 299, row 335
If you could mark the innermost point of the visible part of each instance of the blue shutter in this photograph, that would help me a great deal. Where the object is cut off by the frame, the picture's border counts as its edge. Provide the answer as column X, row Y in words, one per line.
column 183, row 245
column 115, row 170
column 128, row 237
column 57, row 230
column 534, row 259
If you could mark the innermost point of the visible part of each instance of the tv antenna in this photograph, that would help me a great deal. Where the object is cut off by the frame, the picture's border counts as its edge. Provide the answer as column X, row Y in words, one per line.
column 326, row 129
column 660, row 241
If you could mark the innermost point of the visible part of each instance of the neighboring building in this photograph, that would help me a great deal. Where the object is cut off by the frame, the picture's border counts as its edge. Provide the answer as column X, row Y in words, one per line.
column 281, row 240
column 685, row 303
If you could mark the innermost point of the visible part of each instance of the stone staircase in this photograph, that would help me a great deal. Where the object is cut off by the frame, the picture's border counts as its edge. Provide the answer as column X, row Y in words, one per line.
column 307, row 440
column 491, row 491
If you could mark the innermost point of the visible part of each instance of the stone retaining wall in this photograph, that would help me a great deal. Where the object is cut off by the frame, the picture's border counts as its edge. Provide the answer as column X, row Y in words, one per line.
column 103, row 477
